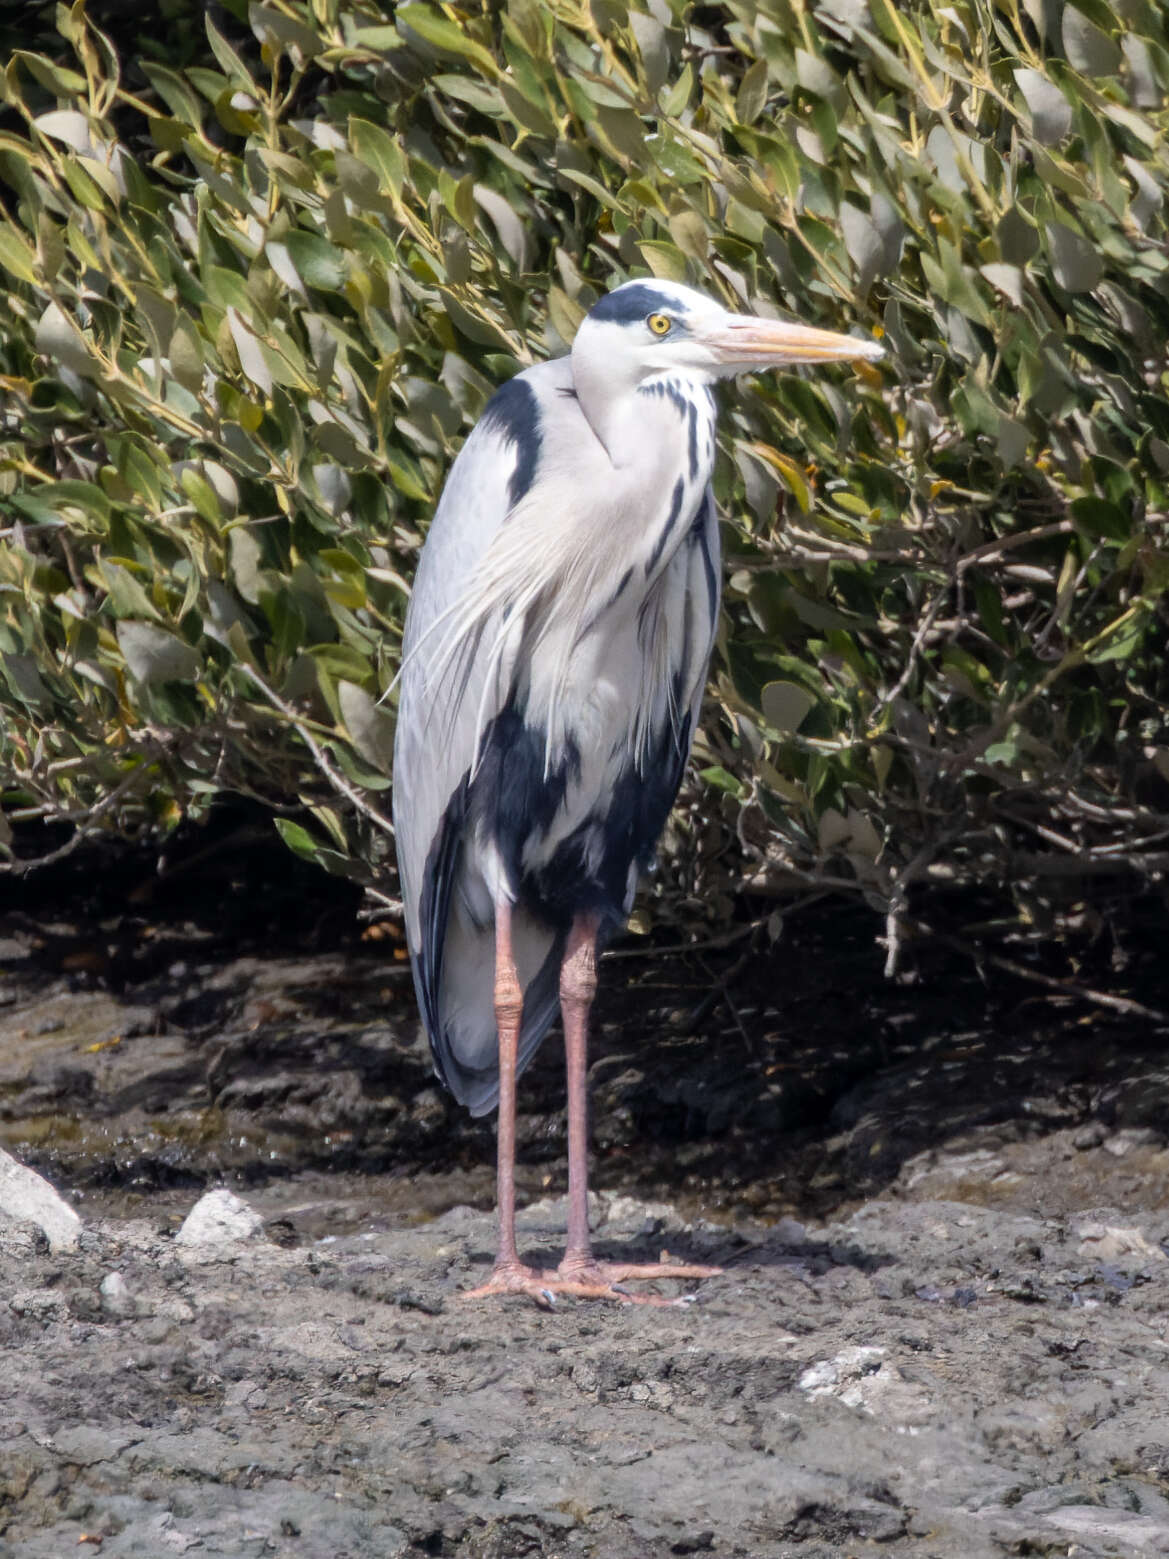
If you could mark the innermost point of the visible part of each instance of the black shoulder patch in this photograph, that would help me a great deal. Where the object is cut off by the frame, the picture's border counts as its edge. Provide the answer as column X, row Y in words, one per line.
column 515, row 411
column 629, row 304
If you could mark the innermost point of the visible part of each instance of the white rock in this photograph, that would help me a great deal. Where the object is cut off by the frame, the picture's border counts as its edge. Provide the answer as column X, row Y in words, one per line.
column 1131, row 1532
column 828, row 1376
column 116, row 1298
column 1124, row 1248
column 217, row 1219
column 613, row 1207
column 23, row 1194
column 862, row 1378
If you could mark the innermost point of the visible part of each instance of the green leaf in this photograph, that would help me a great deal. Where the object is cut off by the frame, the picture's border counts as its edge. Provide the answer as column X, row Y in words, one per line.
column 752, row 94
column 202, row 495
column 665, row 260
column 1121, row 645
column 230, row 61
column 16, row 256
column 722, row 779
column 284, row 34
column 128, row 598
column 369, row 728
column 1090, row 50
column 55, row 501
column 379, row 150
column 302, row 843
column 443, row 35
column 253, row 359
column 674, row 99
column 186, row 355
column 784, row 705
column 1101, row 520
column 155, row 656
column 228, row 289
column 59, row 339
column 475, row 326
column 54, row 78
column 318, row 262
column 1076, row 264
column 1051, row 113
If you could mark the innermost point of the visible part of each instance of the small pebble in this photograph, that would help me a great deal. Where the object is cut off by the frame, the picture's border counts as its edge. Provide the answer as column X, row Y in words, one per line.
column 219, row 1218
column 116, row 1298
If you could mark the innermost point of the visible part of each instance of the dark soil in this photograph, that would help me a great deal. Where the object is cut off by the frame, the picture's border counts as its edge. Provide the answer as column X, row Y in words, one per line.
column 942, row 1207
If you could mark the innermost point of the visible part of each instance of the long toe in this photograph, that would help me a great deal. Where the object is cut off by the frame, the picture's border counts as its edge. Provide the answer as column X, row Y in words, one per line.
column 625, row 1271
column 547, row 1288
column 586, row 1280
column 603, row 1279
column 512, row 1277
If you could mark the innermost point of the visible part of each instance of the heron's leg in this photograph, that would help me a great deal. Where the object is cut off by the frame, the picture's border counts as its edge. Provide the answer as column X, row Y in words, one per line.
column 578, row 986
column 509, row 1013
column 579, row 1274
column 509, row 1275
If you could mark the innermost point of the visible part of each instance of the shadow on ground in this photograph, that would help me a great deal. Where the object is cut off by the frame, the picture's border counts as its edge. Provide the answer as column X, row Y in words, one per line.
column 222, row 1013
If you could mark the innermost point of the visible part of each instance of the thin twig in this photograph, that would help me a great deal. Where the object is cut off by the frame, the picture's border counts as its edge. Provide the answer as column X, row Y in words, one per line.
column 990, row 550
column 915, row 649
column 319, row 757
column 682, row 948
column 899, row 885
column 1122, row 1004
column 85, row 828
column 724, row 994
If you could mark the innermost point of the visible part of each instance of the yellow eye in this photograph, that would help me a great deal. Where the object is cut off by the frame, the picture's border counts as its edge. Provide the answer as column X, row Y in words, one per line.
column 660, row 324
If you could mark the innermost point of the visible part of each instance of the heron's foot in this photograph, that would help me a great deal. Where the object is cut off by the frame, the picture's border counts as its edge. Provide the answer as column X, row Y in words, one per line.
column 513, row 1277
column 604, row 1279
column 586, row 1278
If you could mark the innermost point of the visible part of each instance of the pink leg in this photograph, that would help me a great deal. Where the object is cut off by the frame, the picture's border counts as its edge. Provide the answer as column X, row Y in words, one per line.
column 579, row 1274
column 578, row 986
column 509, row 1272
column 509, row 1014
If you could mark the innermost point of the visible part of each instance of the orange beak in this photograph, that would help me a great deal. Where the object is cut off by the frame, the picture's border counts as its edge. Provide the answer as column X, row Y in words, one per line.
column 752, row 342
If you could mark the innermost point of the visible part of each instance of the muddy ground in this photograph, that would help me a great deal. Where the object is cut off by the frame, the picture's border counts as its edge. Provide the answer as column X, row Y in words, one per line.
column 942, row 1210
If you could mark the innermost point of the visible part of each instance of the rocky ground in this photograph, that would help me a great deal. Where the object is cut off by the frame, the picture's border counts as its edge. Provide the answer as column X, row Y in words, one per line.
column 942, row 1211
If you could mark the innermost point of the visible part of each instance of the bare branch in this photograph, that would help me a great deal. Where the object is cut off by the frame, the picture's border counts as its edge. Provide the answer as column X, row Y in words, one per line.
column 322, row 760
column 87, row 824
column 1122, row 1004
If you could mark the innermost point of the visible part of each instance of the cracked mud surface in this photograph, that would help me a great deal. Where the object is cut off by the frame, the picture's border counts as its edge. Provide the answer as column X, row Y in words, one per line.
column 922, row 1378
column 942, row 1329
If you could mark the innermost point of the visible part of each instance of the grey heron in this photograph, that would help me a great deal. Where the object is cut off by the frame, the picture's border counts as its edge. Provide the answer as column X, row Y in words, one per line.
column 554, row 658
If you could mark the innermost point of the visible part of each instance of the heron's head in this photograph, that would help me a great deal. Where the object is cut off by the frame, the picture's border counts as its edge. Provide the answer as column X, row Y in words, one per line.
column 645, row 328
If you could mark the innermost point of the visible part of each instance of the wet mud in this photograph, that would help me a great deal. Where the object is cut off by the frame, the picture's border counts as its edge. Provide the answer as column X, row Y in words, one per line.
column 942, row 1211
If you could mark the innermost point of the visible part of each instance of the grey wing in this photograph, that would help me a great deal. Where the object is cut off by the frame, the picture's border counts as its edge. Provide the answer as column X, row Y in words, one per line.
column 690, row 592
column 443, row 706
column 427, row 772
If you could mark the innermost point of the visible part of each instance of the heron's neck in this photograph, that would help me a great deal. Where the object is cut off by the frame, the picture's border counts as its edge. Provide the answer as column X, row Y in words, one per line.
column 609, row 408
column 634, row 421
